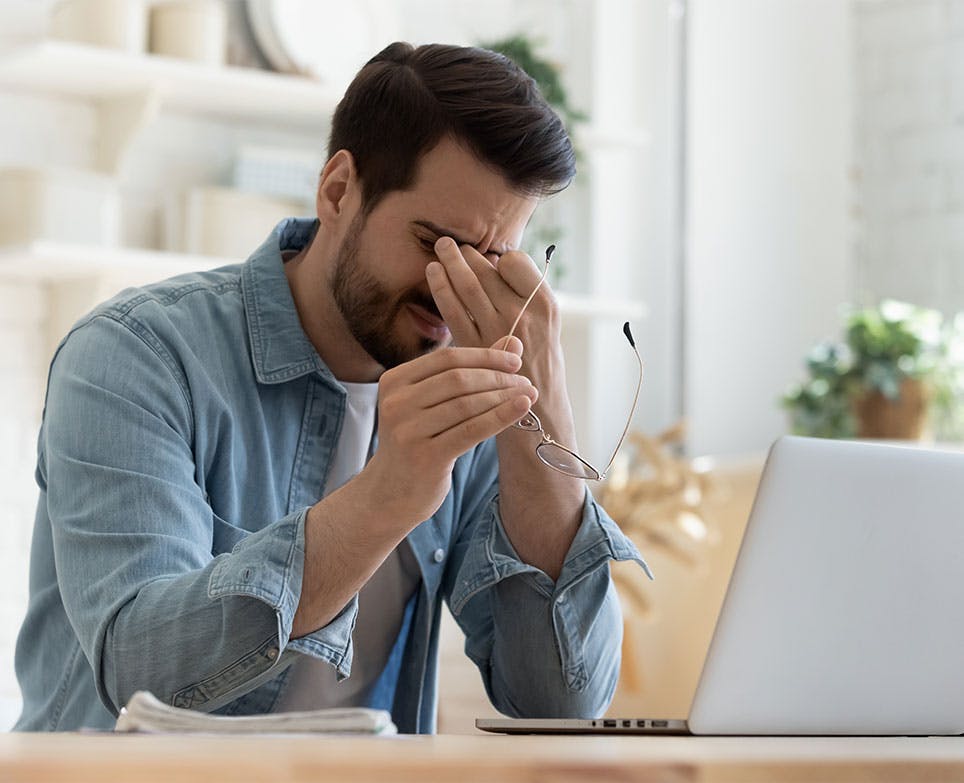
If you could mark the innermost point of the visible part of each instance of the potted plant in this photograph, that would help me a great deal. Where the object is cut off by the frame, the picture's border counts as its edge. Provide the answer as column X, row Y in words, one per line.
column 898, row 373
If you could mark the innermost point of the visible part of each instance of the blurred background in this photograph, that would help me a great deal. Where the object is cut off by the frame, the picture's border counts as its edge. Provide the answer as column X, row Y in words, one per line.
column 771, row 191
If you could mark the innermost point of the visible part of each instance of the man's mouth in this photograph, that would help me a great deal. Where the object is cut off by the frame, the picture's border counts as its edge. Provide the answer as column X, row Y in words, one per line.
column 428, row 323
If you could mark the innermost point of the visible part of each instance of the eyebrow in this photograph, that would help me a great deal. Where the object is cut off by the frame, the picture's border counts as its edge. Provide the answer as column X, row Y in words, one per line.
column 444, row 232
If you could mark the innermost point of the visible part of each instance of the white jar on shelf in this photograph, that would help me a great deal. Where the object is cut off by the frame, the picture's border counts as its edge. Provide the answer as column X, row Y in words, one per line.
column 116, row 24
column 190, row 30
column 226, row 222
column 60, row 205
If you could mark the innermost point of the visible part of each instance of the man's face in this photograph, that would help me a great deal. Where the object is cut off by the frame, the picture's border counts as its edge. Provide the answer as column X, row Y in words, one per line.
column 378, row 280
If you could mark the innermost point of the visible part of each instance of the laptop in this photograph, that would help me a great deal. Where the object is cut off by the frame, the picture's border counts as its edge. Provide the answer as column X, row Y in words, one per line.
column 844, row 613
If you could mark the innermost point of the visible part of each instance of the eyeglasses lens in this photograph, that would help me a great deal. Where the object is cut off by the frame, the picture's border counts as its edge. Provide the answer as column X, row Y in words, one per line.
column 565, row 461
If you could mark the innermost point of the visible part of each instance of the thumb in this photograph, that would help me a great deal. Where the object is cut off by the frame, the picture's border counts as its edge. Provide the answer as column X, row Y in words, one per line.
column 511, row 344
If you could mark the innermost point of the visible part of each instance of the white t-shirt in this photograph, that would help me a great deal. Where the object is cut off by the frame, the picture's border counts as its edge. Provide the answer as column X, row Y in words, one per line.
column 312, row 683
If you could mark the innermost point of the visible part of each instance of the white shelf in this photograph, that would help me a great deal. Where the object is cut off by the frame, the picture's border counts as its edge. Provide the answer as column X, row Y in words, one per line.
column 94, row 73
column 46, row 261
column 56, row 262
column 583, row 308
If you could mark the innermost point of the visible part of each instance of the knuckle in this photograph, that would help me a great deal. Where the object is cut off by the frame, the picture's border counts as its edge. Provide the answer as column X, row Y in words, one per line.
column 388, row 406
column 448, row 355
column 500, row 380
column 476, row 429
column 386, row 383
column 546, row 304
column 397, row 408
column 464, row 408
column 507, row 395
column 461, row 378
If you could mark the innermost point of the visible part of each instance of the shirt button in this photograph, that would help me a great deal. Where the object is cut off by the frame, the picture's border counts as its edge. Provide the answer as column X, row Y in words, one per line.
column 438, row 555
column 272, row 653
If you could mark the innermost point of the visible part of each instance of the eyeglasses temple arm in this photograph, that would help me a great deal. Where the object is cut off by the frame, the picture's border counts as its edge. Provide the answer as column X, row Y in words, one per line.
column 632, row 410
column 515, row 323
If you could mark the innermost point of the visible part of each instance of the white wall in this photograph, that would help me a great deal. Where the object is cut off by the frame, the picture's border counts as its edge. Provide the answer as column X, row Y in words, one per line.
column 769, row 233
column 636, row 211
column 910, row 151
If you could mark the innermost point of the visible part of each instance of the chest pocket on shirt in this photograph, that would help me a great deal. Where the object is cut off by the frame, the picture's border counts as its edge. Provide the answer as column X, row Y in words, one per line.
column 226, row 536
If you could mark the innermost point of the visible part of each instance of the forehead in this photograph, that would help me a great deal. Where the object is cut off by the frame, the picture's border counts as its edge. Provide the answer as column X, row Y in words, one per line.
column 470, row 200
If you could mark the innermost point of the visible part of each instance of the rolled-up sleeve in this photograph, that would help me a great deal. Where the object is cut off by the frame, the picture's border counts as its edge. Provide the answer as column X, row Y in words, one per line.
column 545, row 648
column 134, row 536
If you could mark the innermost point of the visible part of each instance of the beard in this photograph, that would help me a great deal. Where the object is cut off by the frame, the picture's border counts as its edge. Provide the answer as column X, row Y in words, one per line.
column 371, row 312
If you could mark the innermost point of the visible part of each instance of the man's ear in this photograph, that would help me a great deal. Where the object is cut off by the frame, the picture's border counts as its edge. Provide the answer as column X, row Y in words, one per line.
column 339, row 189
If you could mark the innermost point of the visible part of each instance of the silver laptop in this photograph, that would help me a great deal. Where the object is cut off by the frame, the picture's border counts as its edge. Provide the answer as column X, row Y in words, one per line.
column 845, row 610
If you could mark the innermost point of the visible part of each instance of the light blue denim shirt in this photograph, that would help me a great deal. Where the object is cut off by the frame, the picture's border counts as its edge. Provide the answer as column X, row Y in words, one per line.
column 188, row 426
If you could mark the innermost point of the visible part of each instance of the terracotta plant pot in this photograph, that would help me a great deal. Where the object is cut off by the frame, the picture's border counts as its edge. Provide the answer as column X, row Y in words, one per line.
column 901, row 419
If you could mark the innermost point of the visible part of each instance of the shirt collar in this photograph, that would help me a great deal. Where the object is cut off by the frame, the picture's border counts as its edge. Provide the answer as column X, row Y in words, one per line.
column 280, row 349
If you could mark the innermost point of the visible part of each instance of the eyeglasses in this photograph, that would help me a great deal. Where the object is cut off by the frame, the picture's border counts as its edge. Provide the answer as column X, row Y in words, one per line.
column 553, row 454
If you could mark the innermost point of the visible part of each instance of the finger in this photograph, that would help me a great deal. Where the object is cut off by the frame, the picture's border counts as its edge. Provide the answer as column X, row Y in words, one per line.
column 447, row 358
column 488, row 277
column 463, row 381
column 459, row 410
column 466, row 278
column 464, row 436
column 453, row 310
column 519, row 272
column 511, row 344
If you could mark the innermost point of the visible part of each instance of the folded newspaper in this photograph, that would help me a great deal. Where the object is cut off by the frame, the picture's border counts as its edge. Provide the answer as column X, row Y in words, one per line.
column 145, row 712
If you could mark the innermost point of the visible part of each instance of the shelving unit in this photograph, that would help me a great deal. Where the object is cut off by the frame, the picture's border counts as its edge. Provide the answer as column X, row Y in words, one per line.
column 246, row 94
column 130, row 91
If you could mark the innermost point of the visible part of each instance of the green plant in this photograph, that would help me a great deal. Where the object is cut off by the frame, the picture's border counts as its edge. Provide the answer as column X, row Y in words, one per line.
column 883, row 346
column 820, row 406
column 522, row 51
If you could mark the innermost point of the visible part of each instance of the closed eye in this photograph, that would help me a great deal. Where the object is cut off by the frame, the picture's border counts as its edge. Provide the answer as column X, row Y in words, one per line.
column 427, row 244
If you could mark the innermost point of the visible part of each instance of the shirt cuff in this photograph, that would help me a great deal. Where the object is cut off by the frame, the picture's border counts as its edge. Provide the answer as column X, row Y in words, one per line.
column 269, row 565
column 491, row 557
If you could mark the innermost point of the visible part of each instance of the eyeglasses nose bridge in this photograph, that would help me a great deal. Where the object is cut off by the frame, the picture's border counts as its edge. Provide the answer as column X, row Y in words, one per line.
column 534, row 426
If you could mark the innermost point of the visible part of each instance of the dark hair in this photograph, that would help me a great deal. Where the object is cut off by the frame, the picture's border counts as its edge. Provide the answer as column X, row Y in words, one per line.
column 406, row 99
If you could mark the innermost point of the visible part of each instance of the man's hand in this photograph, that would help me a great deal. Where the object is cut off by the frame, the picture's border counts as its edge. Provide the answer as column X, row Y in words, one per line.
column 430, row 411
column 435, row 408
column 479, row 300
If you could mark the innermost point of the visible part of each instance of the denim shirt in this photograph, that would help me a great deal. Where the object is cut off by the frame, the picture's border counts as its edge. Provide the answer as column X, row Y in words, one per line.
column 188, row 427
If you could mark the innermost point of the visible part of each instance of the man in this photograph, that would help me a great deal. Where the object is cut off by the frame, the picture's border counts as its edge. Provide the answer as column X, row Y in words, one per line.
column 222, row 523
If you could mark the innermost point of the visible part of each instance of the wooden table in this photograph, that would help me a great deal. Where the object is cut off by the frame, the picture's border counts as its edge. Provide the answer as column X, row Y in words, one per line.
column 102, row 758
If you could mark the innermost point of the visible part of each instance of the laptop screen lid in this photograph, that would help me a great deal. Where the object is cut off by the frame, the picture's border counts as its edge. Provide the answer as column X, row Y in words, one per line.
column 845, row 610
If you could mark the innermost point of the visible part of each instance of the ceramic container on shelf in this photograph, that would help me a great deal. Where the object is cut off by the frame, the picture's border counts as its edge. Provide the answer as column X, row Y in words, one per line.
column 59, row 205
column 116, row 24
column 226, row 222
column 190, row 29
